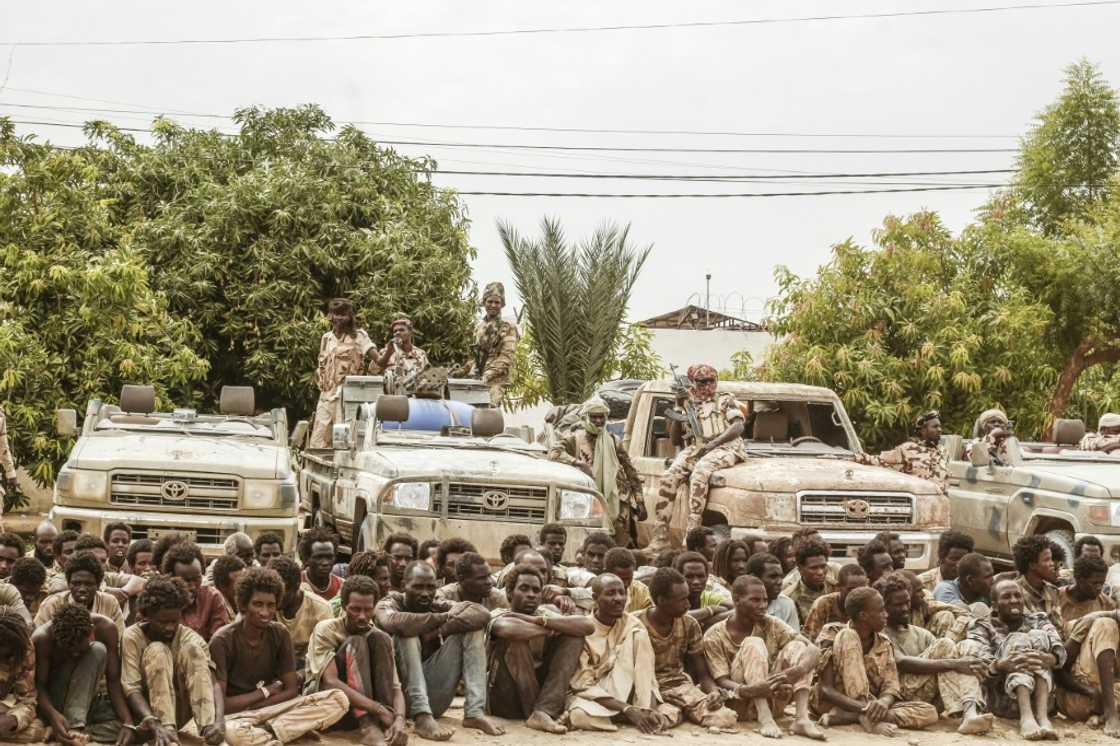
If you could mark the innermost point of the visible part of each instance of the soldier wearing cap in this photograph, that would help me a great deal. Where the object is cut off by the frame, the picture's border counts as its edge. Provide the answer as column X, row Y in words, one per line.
column 401, row 360
column 922, row 456
column 1107, row 437
column 718, row 445
column 343, row 351
column 495, row 341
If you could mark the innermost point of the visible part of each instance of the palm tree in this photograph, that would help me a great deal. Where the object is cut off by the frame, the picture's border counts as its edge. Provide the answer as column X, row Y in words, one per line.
column 575, row 298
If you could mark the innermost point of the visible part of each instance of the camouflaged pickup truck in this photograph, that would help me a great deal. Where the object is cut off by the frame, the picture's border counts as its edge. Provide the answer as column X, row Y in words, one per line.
column 1052, row 489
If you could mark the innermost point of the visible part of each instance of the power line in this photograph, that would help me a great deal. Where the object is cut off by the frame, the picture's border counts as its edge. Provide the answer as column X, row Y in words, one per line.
column 612, row 149
column 724, row 177
column 564, row 29
column 725, row 195
column 528, row 128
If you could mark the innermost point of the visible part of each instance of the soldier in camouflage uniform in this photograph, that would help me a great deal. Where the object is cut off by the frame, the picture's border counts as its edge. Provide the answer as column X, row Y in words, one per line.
column 719, row 445
column 1107, row 437
column 343, row 351
column 923, row 456
column 600, row 454
column 401, row 360
column 495, row 341
column 6, row 464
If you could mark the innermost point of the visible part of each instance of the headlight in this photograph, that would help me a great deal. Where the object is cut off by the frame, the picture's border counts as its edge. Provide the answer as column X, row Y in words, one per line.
column 410, row 496
column 579, row 506
column 260, row 493
column 82, row 484
column 1105, row 515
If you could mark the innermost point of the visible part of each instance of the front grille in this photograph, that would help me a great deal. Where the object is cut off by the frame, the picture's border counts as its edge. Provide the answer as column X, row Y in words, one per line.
column 146, row 490
column 815, row 508
column 198, row 535
column 465, row 500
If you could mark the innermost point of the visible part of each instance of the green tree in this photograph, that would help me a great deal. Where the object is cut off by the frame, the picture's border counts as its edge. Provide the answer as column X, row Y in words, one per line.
column 1068, row 158
column 78, row 315
column 633, row 357
column 575, row 299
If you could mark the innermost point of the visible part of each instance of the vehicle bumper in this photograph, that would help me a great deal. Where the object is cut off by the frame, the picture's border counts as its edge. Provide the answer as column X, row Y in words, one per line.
column 210, row 531
column 921, row 545
column 1111, row 543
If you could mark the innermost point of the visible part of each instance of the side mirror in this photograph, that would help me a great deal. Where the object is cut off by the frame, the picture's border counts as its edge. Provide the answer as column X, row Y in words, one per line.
column 299, row 434
column 340, row 438
column 978, row 454
column 66, row 423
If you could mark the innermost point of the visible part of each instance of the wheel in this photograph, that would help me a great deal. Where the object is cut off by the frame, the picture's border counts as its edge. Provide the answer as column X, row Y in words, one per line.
column 1063, row 537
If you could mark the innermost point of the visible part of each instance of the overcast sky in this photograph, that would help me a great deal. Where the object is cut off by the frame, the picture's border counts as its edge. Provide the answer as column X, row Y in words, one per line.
column 948, row 81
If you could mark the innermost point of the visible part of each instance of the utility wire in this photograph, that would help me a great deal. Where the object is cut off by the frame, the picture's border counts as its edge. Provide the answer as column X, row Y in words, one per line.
column 563, row 29
column 525, row 128
column 724, row 177
column 603, row 148
column 706, row 195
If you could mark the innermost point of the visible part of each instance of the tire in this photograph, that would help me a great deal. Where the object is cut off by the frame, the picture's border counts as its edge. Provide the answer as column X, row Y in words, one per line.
column 1063, row 537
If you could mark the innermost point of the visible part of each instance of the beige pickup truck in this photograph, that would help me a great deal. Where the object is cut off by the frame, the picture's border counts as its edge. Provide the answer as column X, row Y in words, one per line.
column 203, row 475
column 802, row 471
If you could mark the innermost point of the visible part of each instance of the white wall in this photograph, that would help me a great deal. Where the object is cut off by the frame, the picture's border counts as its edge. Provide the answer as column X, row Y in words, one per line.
column 684, row 347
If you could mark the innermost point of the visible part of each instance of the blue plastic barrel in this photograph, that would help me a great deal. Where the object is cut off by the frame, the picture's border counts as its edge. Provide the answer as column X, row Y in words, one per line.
column 432, row 415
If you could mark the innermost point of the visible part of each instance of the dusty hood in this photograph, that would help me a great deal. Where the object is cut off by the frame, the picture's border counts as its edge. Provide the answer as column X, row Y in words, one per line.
column 475, row 465
column 1091, row 478
column 790, row 475
column 171, row 452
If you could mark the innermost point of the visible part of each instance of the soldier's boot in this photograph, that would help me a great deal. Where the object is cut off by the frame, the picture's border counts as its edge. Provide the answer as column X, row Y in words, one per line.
column 661, row 538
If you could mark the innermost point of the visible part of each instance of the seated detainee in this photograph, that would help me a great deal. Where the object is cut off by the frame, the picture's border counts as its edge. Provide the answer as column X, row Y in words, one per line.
column 299, row 610
column 951, row 547
column 940, row 619
column 474, row 584
column 18, row 697
column 1022, row 650
column 859, row 678
column 1034, row 559
column 678, row 644
column 812, row 581
column 614, row 681
column 165, row 668
column 705, row 606
column 829, row 608
column 567, row 600
column 437, row 645
column 351, row 655
column 83, row 577
column 139, row 558
column 1087, row 683
column 930, row 668
column 763, row 661
column 318, row 549
column 256, row 672
column 29, row 578
column 971, row 587
column 620, row 562
column 768, row 568
column 78, row 676
column 205, row 612
column 533, row 653
column 224, row 571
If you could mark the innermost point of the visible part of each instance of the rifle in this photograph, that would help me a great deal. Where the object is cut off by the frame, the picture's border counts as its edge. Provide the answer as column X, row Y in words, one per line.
column 688, row 417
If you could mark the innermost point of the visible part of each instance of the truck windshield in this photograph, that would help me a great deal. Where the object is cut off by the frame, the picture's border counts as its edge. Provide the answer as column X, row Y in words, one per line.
column 219, row 426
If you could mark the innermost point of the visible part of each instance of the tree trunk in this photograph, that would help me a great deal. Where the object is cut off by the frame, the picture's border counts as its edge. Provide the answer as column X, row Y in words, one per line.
column 1089, row 352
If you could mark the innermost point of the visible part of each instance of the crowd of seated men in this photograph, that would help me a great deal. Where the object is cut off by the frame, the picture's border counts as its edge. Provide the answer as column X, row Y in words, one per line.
column 113, row 640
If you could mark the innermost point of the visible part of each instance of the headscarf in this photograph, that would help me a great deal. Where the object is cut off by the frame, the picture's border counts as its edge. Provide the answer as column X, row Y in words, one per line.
column 708, row 391
column 604, row 462
column 1109, row 419
column 987, row 415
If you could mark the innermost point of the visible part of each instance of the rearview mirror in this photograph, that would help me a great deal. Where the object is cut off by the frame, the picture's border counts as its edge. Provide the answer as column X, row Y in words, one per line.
column 299, row 434
column 978, row 454
column 66, row 423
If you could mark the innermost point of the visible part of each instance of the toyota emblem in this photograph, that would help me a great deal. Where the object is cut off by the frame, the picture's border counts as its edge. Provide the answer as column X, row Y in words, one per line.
column 174, row 490
column 495, row 500
column 859, row 510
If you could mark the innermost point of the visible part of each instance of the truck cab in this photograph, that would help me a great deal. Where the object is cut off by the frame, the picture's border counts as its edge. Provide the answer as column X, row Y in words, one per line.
column 202, row 475
column 802, row 470
column 436, row 467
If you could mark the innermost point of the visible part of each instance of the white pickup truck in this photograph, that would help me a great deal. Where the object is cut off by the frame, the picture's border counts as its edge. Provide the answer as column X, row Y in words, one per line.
column 203, row 475
column 437, row 468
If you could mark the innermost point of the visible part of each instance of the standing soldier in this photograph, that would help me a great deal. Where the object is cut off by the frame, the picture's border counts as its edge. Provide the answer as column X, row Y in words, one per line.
column 718, row 445
column 342, row 352
column 601, row 456
column 7, row 464
column 923, row 456
column 495, row 341
column 401, row 360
